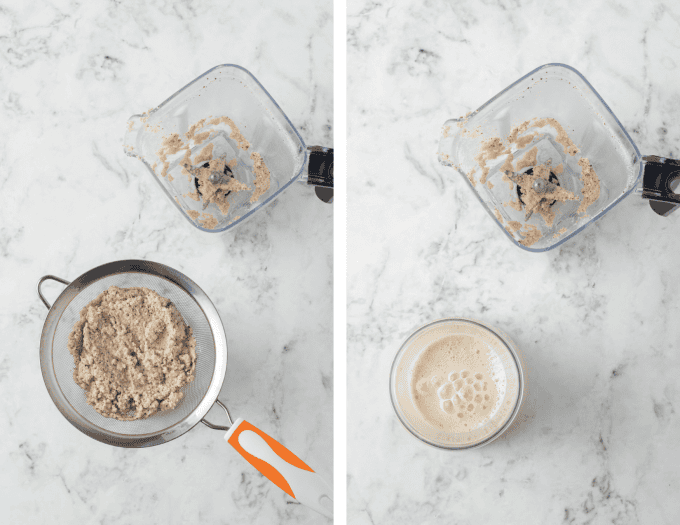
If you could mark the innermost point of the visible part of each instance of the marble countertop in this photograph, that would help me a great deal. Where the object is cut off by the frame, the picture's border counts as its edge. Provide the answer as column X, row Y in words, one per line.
column 71, row 200
column 596, row 319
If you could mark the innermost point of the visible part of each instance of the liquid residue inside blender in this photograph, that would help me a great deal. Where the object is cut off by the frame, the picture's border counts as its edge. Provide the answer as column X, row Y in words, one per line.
column 530, row 199
column 204, row 164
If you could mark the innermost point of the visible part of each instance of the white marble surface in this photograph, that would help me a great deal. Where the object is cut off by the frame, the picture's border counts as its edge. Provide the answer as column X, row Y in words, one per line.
column 596, row 319
column 70, row 200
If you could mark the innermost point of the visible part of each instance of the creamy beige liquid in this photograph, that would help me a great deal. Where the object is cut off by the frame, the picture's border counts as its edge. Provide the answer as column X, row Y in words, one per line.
column 453, row 385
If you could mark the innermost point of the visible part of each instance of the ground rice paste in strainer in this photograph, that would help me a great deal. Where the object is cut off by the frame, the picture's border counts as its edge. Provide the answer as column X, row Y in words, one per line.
column 133, row 353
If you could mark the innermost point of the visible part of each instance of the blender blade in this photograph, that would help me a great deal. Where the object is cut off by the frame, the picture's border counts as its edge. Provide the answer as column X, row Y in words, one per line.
column 540, row 186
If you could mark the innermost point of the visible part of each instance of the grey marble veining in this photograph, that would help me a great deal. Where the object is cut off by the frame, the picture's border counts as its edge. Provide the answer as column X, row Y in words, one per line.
column 599, row 434
column 72, row 74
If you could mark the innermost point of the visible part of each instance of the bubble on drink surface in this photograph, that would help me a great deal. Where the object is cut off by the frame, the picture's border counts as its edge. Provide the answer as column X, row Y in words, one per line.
column 486, row 397
column 477, row 386
column 458, row 384
column 460, row 414
column 453, row 376
column 478, row 398
column 457, row 401
column 445, row 391
column 447, row 406
column 485, row 385
column 478, row 376
column 464, row 373
column 470, row 407
column 468, row 393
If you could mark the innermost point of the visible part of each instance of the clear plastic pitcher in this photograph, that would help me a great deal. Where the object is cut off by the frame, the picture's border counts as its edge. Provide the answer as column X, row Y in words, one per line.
column 225, row 91
column 559, row 92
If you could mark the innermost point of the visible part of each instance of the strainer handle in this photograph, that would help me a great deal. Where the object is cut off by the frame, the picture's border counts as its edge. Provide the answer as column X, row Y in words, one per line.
column 281, row 466
column 45, row 278
column 218, row 427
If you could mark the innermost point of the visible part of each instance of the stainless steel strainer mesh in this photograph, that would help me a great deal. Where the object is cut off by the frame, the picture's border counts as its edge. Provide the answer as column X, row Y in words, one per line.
column 198, row 312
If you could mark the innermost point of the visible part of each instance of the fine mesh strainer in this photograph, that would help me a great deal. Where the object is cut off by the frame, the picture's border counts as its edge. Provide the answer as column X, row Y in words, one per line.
column 263, row 452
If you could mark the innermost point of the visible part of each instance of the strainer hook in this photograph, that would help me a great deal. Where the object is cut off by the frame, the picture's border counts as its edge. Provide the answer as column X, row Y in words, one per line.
column 219, row 427
column 45, row 278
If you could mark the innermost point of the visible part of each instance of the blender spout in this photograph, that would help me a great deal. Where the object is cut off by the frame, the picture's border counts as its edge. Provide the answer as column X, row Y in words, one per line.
column 449, row 131
column 134, row 126
column 661, row 184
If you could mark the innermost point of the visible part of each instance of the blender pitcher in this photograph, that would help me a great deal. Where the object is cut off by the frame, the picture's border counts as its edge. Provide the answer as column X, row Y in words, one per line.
column 229, row 111
column 590, row 131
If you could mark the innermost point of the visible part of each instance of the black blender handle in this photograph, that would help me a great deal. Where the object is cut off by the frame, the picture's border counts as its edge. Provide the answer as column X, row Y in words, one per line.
column 658, row 175
column 320, row 172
